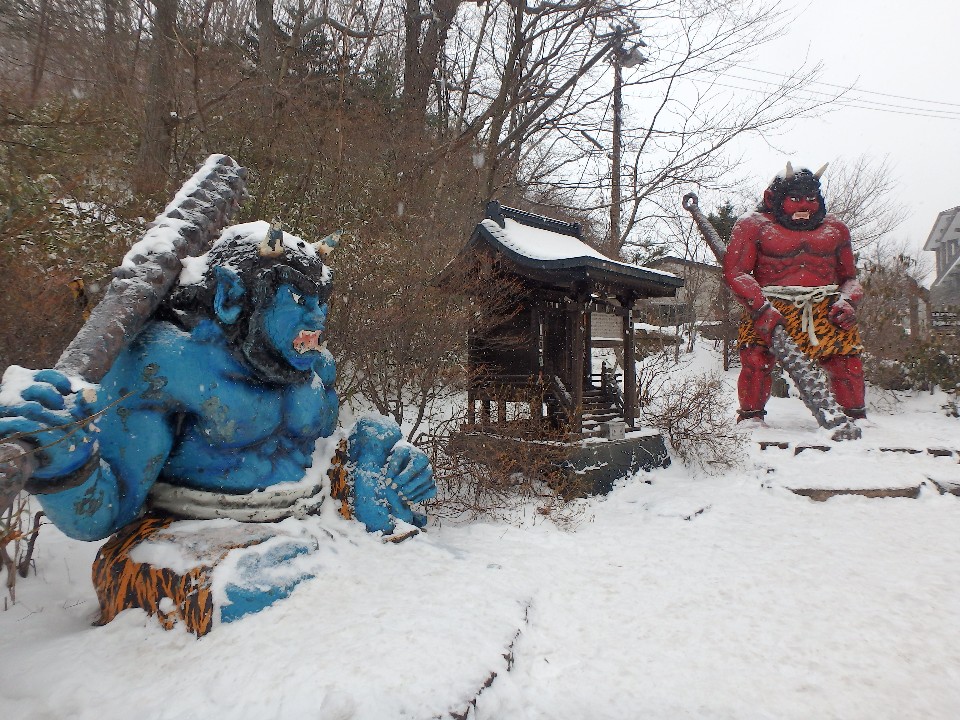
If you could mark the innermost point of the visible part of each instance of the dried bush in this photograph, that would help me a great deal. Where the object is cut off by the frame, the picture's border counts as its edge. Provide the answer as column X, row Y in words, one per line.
column 39, row 314
column 484, row 476
column 692, row 415
column 18, row 536
column 654, row 372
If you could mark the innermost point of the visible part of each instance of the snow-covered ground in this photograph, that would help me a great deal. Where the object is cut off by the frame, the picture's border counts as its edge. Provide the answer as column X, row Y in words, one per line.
column 677, row 596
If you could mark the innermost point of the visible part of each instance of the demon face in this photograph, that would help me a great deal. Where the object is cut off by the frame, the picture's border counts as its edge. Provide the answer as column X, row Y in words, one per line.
column 795, row 199
column 270, row 300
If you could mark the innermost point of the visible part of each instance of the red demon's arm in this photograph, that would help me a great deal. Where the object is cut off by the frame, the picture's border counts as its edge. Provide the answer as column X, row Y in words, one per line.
column 740, row 262
column 850, row 288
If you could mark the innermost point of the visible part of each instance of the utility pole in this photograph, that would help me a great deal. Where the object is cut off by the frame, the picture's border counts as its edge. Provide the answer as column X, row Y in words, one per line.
column 621, row 57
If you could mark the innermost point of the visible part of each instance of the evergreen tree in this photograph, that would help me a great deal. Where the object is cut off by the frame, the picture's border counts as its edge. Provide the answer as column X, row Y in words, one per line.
column 723, row 220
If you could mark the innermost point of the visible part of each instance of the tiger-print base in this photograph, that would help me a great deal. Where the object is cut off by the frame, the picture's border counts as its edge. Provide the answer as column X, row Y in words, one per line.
column 122, row 584
column 833, row 340
column 340, row 486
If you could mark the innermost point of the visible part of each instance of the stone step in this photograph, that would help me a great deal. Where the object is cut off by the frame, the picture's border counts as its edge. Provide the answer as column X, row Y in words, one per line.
column 601, row 417
column 800, row 447
column 940, row 455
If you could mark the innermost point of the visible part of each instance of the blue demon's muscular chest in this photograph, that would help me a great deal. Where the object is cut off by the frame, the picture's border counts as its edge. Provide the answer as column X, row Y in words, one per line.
column 248, row 437
column 230, row 431
column 238, row 417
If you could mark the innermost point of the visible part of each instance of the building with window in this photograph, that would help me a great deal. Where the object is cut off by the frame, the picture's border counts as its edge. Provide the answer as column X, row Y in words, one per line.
column 944, row 240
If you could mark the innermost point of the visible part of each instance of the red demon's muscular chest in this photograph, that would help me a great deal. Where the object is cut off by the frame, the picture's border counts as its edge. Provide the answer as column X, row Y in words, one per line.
column 776, row 241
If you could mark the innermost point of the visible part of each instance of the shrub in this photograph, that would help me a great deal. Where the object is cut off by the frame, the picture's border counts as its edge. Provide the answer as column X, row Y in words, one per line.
column 698, row 424
column 479, row 476
column 18, row 536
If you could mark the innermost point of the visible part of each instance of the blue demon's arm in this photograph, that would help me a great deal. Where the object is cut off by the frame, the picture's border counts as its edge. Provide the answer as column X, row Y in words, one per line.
column 80, row 491
column 389, row 476
column 325, row 373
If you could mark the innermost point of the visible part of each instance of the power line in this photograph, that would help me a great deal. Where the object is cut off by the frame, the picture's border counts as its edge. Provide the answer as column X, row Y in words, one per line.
column 826, row 100
column 824, row 95
column 856, row 89
column 851, row 97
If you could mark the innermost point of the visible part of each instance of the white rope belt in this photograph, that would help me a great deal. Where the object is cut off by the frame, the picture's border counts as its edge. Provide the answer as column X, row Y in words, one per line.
column 803, row 298
column 268, row 505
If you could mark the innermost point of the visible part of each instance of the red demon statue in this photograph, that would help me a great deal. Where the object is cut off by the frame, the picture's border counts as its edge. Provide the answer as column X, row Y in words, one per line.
column 790, row 263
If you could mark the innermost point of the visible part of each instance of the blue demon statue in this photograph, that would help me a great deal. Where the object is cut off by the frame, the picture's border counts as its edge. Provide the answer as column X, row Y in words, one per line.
column 215, row 409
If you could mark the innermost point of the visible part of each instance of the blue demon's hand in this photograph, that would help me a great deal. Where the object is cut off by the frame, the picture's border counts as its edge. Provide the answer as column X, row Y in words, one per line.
column 388, row 476
column 42, row 409
column 408, row 469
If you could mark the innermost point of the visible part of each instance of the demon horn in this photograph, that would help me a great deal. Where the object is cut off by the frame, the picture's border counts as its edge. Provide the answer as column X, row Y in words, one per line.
column 789, row 172
column 819, row 173
column 326, row 246
column 272, row 244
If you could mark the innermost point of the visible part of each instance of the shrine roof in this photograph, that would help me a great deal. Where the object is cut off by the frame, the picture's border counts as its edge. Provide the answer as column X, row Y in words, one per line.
column 553, row 251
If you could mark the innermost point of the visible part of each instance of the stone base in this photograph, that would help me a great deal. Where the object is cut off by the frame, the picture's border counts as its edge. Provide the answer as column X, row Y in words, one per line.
column 574, row 469
column 197, row 573
column 822, row 495
column 922, row 471
column 593, row 467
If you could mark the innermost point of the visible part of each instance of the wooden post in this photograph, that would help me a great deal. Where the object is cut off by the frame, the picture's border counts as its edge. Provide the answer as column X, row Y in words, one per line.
column 588, row 349
column 535, row 366
column 502, row 412
column 471, row 410
column 578, row 352
column 629, row 363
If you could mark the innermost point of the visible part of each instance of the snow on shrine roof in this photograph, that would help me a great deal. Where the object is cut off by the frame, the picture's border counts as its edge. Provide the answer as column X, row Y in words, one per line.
column 538, row 244
column 545, row 243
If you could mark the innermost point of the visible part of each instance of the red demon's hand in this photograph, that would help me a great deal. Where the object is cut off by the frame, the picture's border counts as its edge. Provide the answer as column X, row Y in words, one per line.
column 842, row 314
column 765, row 320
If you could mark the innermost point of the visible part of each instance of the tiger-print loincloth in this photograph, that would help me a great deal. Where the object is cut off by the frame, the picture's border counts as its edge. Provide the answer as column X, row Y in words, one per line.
column 340, row 484
column 833, row 340
column 122, row 583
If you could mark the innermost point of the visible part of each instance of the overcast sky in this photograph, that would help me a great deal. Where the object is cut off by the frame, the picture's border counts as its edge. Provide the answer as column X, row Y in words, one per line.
column 910, row 50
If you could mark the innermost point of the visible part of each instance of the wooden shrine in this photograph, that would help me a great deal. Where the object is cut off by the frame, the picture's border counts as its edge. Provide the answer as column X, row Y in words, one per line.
column 540, row 352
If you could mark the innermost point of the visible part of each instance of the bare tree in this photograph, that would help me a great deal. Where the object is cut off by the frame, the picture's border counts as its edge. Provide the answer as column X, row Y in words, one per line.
column 862, row 192
column 530, row 91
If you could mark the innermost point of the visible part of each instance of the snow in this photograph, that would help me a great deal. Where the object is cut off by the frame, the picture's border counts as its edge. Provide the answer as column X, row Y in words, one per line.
column 679, row 595
column 538, row 244
column 159, row 239
column 16, row 379
column 194, row 268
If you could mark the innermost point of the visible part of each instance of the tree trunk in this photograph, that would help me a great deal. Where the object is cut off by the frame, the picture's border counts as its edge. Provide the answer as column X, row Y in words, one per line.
column 39, row 56
column 421, row 59
column 156, row 141
column 269, row 56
